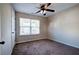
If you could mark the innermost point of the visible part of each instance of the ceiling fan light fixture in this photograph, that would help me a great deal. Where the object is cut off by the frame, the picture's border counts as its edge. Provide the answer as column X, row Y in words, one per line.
column 44, row 11
column 41, row 11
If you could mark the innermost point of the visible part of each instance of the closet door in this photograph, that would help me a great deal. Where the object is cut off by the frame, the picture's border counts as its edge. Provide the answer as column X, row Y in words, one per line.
column 13, row 28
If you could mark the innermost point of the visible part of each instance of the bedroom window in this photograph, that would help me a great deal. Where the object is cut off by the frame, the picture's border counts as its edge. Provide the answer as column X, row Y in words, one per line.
column 29, row 26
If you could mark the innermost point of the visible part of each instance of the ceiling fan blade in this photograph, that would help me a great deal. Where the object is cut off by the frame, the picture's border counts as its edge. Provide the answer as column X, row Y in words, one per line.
column 38, row 11
column 48, row 4
column 50, row 10
column 42, row 6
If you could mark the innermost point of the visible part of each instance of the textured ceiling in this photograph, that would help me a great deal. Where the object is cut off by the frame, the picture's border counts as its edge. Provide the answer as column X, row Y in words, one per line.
column 31, row 8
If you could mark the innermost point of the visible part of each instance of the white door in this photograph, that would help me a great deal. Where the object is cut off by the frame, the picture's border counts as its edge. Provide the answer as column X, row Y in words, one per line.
column 1, row 42
column 13, row 28
column 0, row 29
column 6, row 29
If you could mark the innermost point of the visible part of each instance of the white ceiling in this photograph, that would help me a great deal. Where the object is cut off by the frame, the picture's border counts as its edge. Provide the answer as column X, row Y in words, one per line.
column 31, row 8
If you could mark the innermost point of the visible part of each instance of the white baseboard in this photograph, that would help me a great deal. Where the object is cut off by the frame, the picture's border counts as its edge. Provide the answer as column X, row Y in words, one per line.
column 29, row 40
column 65, row 43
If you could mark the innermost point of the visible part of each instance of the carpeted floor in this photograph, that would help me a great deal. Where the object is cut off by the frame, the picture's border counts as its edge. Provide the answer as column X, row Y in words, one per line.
column 44, row 47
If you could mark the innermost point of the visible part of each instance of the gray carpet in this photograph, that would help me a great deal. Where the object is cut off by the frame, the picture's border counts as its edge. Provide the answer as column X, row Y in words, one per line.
column 44, row 47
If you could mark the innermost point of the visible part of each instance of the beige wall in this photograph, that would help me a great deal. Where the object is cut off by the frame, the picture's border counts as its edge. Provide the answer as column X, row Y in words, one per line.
column 64, row 27
column 43, row 28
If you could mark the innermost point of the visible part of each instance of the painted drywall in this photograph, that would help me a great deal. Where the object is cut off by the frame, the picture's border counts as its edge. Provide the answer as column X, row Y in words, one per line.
column 64, row 26
column 26, row 38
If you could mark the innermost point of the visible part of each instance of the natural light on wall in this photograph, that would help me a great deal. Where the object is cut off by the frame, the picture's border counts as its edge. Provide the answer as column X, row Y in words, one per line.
column 29, row 26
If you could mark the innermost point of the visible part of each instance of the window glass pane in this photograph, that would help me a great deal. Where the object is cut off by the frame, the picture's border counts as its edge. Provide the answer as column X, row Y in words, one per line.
column 35, row 23
column 24, row 30
column 35, row 30
column 24, row 22
column 29, row 26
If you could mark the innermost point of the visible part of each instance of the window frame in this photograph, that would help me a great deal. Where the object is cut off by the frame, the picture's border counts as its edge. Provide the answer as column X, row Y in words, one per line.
column 29, row 27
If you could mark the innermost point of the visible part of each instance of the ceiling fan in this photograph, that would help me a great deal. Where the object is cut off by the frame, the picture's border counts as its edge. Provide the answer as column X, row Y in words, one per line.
column 44, row 8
